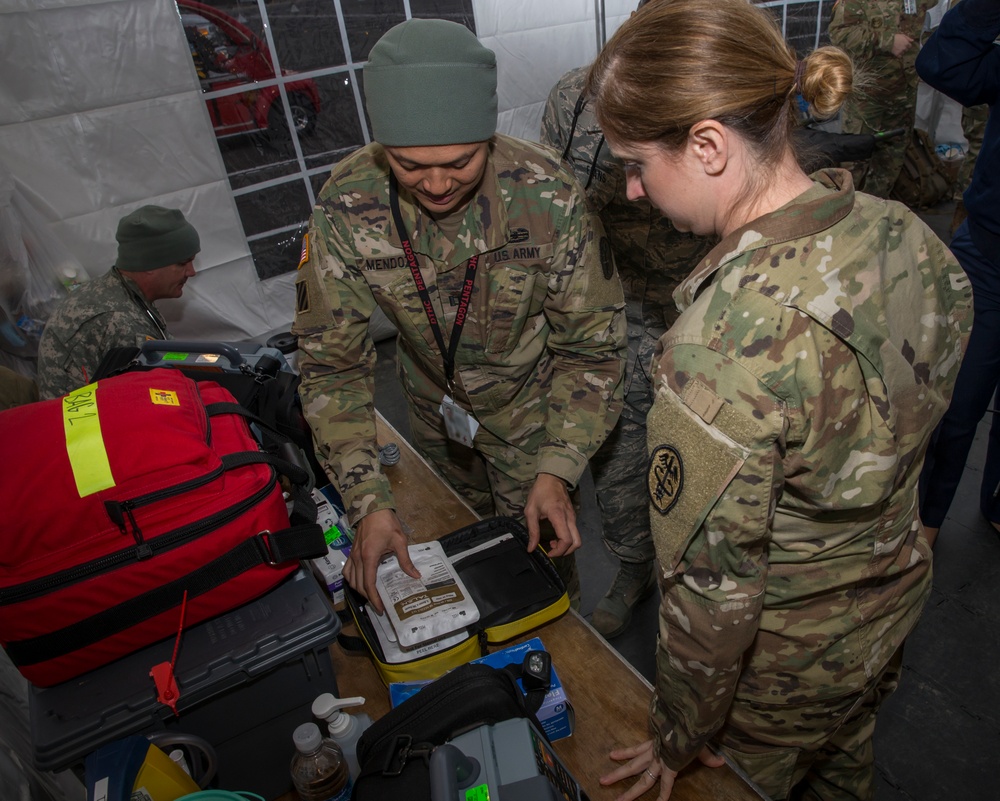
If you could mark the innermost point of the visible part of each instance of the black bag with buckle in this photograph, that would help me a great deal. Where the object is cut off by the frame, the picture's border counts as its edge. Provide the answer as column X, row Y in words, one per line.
column 259, row 378
column 922, row 181
column 394, row 752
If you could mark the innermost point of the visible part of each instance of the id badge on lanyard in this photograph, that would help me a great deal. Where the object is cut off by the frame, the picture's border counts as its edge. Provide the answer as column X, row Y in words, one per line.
column 910, row 7
column 460, row 425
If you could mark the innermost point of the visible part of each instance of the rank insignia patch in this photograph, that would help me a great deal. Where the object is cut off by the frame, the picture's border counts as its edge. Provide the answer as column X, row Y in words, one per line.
column 302, row 297
column 607, row 260
column 665, row 478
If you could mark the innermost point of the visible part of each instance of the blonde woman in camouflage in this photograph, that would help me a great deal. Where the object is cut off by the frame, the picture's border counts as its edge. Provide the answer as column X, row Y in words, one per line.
column 816, row 349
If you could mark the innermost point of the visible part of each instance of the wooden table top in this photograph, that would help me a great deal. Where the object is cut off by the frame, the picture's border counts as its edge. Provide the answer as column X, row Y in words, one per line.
column 610, row 698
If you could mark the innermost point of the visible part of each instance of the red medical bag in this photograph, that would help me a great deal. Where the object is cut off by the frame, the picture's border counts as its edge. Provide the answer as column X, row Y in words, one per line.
column 121, row 497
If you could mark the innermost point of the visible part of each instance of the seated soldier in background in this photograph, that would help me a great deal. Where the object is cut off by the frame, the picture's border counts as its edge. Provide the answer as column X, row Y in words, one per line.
column 156, row 250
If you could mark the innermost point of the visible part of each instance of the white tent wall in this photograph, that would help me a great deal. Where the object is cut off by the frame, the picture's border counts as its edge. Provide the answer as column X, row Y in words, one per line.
column 535, row 44
column 101, row 111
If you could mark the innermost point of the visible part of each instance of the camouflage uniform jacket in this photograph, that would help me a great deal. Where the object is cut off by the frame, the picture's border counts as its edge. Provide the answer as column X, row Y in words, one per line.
column 652, row 256
column 865, row 29
column 104, row 313
column 540, row 360
column 816, row 350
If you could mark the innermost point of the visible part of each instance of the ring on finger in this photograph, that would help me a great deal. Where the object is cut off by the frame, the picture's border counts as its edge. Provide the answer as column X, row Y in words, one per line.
column 650, row 773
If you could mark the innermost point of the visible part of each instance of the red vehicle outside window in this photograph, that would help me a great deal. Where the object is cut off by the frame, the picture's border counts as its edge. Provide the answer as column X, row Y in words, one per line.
column 227, row 53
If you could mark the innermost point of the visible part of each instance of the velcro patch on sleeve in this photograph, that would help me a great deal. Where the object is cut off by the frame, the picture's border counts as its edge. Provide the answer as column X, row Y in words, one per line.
column 690, row 465
column 312, row 311
column 607, row 258
column 302, row 297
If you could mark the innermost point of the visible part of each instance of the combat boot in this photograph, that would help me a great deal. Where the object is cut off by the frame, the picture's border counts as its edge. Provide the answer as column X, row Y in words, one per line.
column 634, row 582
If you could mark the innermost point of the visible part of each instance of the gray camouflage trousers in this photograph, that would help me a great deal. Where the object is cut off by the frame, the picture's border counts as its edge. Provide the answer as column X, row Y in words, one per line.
column 488, row 490
column 619, row 466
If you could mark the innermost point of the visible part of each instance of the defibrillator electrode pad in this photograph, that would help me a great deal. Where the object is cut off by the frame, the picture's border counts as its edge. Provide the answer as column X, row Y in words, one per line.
column 435, row 605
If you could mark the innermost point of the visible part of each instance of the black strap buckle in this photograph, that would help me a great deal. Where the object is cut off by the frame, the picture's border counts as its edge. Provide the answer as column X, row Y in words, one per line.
column 402, row 751
column 263, row 540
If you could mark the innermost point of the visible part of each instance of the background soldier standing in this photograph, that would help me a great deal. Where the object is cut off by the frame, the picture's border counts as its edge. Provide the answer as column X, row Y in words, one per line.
column 652, row 258
column 883, row 39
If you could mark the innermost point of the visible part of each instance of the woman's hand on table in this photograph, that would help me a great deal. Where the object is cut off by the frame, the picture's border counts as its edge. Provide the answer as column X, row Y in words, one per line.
column 644, row 763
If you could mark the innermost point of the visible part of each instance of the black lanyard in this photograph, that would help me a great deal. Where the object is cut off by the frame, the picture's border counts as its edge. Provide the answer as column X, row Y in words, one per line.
column 141, row 301
column 448, row 353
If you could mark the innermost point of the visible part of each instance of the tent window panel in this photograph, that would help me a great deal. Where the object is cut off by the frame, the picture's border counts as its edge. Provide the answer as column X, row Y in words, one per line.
column 459, row 11
column 827, row 12
column 307, row 34
column 225, row 44
column 800, row 27
column 338, row 129
column 367, row 20
column 273, row 207
column 317, row 180
column 275, row 216
column 252, row 160
column 272, row 254
column 803, row 22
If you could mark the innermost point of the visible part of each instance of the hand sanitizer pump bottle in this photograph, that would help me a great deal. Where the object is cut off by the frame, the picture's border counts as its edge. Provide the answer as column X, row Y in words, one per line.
column 344, row 729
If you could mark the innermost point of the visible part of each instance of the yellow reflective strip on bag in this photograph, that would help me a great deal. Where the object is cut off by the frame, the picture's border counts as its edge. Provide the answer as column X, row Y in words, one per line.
column 88, row 457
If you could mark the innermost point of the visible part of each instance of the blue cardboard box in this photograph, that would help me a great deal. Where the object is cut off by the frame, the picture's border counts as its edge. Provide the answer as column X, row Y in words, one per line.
column 556, row 714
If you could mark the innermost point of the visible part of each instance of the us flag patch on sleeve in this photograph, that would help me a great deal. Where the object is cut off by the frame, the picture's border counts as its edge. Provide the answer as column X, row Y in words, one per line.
column 304, row 255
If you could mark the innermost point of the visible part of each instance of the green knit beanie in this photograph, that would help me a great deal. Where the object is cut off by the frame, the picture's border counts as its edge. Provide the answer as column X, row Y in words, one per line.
column 431, row 82
column 152, row 237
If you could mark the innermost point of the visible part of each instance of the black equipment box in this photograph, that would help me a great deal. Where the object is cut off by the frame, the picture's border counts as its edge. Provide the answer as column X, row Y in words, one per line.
column 246, row 680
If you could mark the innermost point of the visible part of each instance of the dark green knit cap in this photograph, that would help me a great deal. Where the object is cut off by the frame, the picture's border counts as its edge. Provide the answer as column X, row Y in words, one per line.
column 152, row 237
column 431, row 82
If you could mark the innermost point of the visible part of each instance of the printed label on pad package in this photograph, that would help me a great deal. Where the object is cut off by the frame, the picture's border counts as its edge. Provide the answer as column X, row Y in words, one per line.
column 435, row 605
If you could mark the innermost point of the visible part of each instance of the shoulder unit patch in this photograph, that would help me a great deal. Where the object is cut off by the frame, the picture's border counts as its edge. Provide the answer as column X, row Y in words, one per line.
column 665, row 478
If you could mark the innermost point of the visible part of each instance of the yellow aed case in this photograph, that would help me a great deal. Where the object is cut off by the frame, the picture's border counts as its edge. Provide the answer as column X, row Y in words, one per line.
column 515, row 592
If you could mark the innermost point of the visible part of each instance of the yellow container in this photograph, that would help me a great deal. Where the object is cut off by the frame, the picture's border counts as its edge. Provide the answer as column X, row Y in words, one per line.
column 162, row 779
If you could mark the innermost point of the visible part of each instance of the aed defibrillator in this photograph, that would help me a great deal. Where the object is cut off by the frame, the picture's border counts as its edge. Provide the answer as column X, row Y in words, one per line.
column 510, row 759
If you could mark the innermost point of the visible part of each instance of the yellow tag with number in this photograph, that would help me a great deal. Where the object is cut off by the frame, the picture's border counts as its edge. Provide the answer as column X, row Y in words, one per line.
column 164, row 397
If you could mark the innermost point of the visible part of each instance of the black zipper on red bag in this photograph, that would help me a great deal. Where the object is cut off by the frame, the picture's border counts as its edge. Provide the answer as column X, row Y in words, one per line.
column 139, row 552
column 122, row 512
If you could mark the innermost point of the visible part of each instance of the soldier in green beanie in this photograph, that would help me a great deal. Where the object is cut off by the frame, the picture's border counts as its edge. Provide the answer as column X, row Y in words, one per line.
column 156, row 250
column 481, row 249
